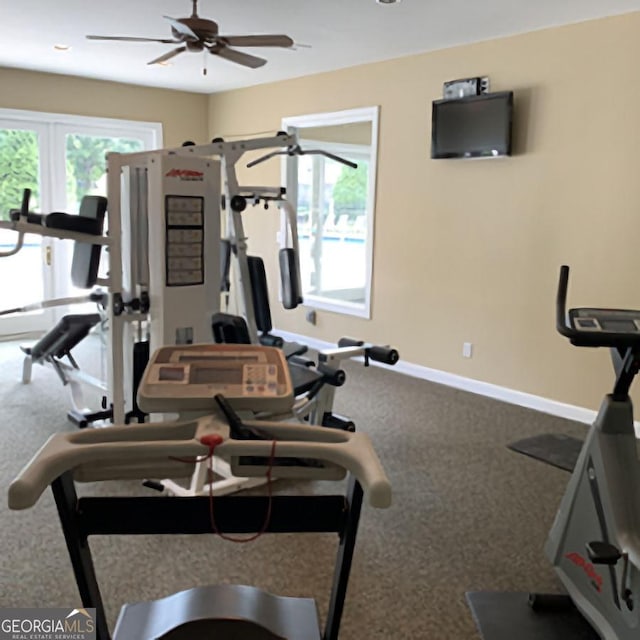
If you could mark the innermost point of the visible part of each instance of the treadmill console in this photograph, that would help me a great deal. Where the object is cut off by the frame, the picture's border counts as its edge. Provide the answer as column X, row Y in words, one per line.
column 187, row 377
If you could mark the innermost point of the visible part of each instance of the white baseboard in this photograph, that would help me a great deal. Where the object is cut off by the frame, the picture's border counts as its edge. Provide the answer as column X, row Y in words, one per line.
column 530, row 401
column 520, row 398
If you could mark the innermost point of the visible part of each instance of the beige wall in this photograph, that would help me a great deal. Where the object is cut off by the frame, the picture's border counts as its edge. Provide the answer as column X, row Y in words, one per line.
column 349, row 133
column 470, row 250
column 183, row 115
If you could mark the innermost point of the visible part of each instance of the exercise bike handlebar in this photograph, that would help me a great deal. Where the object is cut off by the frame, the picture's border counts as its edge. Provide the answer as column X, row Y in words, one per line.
column 595, row 327
column 561, row 303
column 127, row 451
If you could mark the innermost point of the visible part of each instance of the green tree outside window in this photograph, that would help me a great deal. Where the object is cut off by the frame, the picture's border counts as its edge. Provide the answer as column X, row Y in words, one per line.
column 19, row 168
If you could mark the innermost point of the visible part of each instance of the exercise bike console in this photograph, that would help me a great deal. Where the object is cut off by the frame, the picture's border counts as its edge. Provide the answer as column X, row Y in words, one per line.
column 595, row 327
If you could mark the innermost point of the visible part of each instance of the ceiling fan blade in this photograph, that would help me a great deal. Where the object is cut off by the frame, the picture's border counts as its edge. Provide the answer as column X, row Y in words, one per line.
column 238, row 56
column 181, row 28
column 168, row 56
column 129, row 39
column 257, row 41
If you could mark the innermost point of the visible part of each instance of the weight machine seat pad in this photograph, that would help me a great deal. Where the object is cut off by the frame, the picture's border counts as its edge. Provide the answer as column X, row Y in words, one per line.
column 86, row 257
column 229, row 329
column 290, row 285
column 64, row 336
column 507, row 615
column 203, row 612
column 259, row 294
column 90, row 218
column 72, row 222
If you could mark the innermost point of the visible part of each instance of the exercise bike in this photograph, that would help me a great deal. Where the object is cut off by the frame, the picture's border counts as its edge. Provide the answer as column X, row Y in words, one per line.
column 594, row 543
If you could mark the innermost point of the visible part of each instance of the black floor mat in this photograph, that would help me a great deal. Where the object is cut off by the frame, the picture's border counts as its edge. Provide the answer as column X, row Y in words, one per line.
column 506, row 616
column 556, row 449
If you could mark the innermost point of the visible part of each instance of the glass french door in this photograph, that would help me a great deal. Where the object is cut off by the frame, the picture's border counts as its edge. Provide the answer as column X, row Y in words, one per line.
column 82, row 152
column 25, row 277
column 61, row 159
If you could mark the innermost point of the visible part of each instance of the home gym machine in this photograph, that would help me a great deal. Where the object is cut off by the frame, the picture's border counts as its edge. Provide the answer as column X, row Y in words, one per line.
column 181, row 267
column 163, row 237
column 213, row 383
column 594, row 542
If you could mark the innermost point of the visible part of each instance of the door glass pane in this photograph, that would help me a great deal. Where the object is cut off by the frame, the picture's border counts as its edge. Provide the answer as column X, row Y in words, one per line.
column 87, row 175
column 19, row 170
column 87, row 165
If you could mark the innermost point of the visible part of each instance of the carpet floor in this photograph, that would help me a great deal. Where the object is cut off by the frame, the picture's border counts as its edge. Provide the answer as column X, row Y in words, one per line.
column 468, row 514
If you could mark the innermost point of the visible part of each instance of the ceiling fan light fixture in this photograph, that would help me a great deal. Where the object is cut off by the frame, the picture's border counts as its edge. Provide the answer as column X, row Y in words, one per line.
column 196, row 34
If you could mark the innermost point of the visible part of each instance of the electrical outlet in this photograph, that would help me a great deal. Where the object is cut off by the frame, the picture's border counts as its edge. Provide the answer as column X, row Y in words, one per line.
column 467, row 349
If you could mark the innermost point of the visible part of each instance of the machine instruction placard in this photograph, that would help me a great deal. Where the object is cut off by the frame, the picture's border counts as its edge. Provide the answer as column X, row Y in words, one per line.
column 184, row 217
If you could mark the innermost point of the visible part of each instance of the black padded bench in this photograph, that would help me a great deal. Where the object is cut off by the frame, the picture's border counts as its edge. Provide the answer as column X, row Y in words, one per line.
column 71, row 329
column 65, row 335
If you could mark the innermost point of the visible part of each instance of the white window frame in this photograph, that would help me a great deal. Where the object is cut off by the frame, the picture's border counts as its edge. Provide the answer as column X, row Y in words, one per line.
column 290, row 175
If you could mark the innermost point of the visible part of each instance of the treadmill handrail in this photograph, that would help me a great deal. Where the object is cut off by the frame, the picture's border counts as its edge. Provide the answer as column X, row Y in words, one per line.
column 122, row 451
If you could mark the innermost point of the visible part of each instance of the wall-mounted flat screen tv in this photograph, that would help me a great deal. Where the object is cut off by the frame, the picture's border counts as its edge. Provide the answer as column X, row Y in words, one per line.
column 472, row 127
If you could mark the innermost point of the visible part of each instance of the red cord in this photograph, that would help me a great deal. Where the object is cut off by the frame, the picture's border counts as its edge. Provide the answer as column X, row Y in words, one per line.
column 212, row 441
column 267, row 517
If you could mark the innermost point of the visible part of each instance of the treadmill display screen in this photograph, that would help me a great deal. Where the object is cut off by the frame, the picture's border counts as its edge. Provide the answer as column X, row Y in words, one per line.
column 216, row 375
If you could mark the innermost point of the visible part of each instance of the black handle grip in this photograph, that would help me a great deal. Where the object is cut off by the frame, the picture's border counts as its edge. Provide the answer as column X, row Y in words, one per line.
column 23, row 212
column 24, row 207
column 561, row 304
column 300, row 361
column 386, row 355
column 269, row 340
column 334, row 377
column 350, row 342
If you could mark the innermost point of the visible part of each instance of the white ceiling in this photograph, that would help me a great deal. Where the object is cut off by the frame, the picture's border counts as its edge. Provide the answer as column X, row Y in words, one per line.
column 341, row 33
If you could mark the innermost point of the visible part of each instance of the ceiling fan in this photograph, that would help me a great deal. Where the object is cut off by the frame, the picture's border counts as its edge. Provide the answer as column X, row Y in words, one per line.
column 199, row 34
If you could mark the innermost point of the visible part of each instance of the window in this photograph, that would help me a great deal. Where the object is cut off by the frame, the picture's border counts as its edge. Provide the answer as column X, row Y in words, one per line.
column 335, row 207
